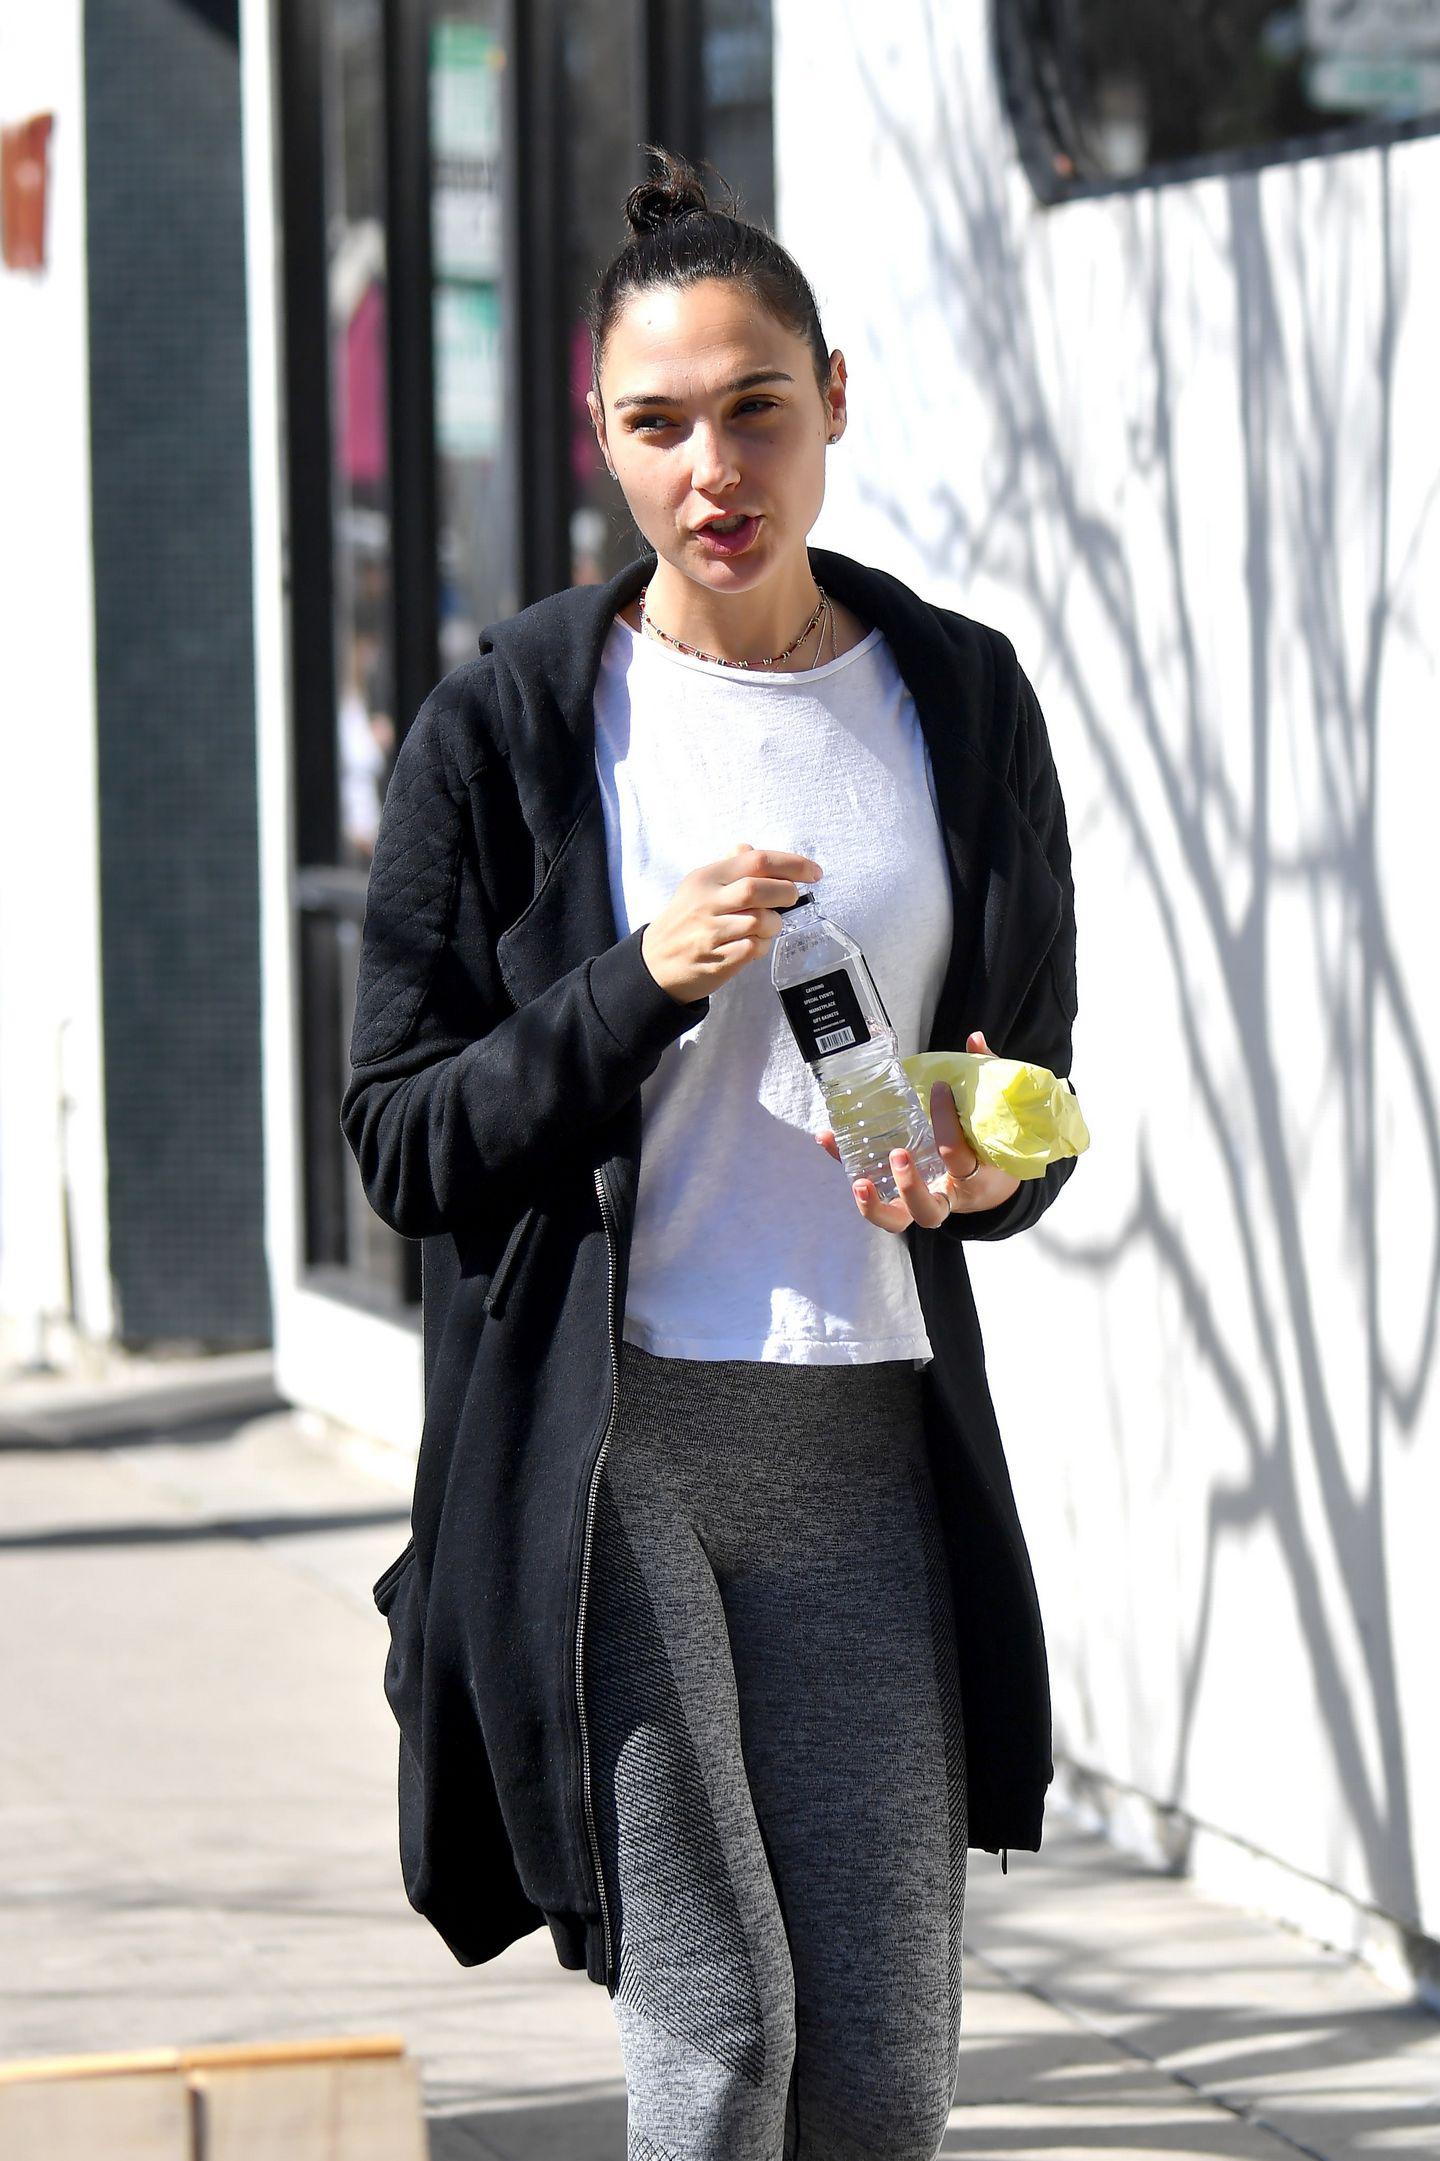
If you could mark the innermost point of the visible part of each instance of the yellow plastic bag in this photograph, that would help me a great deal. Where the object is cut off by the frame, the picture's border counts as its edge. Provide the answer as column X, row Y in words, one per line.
column 1018, row 1117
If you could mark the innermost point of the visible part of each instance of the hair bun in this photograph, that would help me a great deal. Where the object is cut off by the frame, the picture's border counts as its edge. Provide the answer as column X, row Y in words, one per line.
column 669, row 194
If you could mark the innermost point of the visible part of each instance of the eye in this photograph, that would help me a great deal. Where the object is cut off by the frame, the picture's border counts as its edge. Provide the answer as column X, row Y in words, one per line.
column 649, row 423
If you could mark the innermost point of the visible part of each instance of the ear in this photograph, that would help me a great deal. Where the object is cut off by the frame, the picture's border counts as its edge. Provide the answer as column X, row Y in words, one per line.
column 835, row 398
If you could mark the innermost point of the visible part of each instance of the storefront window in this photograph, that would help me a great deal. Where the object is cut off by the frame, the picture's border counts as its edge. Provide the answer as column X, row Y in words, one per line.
column 336, row 82
column 737, row 49
column 729, row 124
column 605, row 128
column 455, row 172
column 1103, row 90
column 359, row 422
column 476, row 556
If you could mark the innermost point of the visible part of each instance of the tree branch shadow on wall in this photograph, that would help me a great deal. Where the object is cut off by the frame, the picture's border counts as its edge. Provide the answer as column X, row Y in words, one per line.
column 1035, row 531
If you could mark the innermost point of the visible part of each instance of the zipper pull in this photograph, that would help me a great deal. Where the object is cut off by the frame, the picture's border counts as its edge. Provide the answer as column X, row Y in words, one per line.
column 1004, row 1860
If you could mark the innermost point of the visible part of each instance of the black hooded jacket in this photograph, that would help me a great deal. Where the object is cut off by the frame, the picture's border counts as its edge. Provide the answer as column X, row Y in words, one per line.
column 502, row 1033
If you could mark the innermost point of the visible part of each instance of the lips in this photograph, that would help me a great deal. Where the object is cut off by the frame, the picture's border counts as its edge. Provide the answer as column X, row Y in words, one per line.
column 723, row 536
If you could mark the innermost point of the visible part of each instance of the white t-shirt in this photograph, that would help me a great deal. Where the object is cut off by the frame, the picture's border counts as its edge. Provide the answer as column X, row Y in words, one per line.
column 747, row 1240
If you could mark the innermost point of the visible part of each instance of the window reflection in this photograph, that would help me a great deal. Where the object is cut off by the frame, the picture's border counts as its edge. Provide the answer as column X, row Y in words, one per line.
column 468, row 60
column 737, row 49
column 360, row 421
column 605, row 128
column 1111, row 89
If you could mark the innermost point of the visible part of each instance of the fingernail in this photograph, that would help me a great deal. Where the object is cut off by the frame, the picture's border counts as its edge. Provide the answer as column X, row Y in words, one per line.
column 861, row 1190
column 902, row 1157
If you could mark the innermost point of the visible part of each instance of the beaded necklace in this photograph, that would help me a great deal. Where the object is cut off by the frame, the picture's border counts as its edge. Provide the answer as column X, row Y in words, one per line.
column 822, row 607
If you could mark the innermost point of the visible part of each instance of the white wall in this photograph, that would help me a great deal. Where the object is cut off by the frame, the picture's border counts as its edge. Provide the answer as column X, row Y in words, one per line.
column 1183, row 445
column 51, row 1091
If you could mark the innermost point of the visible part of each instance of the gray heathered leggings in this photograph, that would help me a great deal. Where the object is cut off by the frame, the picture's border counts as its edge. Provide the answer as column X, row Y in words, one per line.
column 777, row 1762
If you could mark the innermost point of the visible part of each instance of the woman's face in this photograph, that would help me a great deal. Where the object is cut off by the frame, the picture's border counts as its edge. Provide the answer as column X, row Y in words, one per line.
column 709, row 407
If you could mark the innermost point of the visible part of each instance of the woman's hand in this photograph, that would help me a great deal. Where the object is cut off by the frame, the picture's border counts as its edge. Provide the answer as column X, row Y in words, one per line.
column 966, row 1188
column 720, row 917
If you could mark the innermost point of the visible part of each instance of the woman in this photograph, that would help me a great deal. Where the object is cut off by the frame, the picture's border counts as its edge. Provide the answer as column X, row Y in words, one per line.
column 713, row 1535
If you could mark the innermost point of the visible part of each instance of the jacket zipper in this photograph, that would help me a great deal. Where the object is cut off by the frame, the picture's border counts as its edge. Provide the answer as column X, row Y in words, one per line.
column 592, row 1498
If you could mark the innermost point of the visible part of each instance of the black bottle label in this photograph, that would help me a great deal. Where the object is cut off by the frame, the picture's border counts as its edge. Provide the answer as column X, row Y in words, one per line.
column 825, row 1015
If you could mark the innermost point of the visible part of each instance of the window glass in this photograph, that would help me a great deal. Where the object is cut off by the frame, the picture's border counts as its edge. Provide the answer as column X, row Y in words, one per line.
column 476, row 560
column 737, row 89
column 1105, row 89
column 359, row 421
column 343, row 412
column 604, row 130
column 734, row 123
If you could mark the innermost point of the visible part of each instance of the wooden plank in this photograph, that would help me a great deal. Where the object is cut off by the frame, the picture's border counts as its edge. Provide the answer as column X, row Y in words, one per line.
column 353, row 2110
column 332, row 2048
column 134, row 2116
column 123, row 2064
column 325, row 2049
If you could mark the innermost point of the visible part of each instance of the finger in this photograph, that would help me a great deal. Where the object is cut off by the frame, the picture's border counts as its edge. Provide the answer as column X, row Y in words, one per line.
column 829, row 1143
column 771, row 863
column 977, row 1042
column 956, row 1153
column 747, row 923
column 735, row 953
column 888, row 1215
column 753, row 891
column 925, row 1208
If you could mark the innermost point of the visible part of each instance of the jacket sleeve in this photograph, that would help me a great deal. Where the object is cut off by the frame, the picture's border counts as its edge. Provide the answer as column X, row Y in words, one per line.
column 460, row 1105
column 1041, row 1030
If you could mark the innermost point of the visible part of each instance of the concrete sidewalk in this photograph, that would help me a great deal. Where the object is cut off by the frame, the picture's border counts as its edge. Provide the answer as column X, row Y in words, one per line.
column 197, row 1823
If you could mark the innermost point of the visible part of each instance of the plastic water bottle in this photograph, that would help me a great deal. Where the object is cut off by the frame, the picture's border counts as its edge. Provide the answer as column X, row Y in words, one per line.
column 839, row 1021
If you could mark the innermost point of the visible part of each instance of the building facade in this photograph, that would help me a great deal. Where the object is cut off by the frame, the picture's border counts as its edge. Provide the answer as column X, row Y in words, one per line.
column 1141, row 357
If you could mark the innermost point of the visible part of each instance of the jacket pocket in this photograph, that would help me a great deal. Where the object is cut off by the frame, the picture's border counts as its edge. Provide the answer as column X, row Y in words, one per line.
column 508, row 1262
column 399, row 1595
column 549, row 935
column 387, row 1583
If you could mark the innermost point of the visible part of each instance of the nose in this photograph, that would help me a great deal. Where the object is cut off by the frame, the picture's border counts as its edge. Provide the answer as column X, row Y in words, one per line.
column 713, row 467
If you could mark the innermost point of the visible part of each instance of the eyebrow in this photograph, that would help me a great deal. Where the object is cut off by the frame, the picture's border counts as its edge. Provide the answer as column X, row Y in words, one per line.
column 741, row 382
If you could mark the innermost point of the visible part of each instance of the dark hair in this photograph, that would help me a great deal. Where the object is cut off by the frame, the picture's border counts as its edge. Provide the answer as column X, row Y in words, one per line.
column 679, row 236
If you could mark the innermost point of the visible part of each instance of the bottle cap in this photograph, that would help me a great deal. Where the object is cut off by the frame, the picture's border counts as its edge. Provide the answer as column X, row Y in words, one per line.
column 803, row 900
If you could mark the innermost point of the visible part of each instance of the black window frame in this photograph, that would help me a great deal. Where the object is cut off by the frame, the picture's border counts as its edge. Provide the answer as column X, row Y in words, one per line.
column 1027, row 100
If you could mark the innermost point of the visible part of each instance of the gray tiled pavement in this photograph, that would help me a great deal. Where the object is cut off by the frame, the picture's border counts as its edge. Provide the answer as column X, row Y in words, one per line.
column 196, row 1817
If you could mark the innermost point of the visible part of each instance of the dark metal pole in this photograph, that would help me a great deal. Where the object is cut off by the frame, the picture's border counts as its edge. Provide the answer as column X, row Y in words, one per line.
column 300, row 34
column 536, row 389
column 673, row 77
